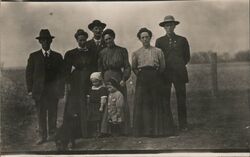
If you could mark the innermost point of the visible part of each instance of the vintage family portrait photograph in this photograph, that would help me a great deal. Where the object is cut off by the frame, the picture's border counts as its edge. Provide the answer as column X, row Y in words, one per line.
column 125, row 77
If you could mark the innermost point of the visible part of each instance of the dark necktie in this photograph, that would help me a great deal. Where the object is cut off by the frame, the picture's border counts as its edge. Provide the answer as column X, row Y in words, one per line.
column 98, row 43
column 46, row 54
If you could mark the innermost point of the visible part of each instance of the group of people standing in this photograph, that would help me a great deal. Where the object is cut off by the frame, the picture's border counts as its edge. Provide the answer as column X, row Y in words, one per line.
column 95, row 74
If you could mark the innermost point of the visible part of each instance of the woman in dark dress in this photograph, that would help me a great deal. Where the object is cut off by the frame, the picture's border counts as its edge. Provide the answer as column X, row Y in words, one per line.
column 151, row 114
column 113, row 63
column 78, row 68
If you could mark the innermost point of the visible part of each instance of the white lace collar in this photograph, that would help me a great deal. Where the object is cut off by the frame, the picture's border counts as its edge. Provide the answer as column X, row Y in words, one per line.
column 97, row 88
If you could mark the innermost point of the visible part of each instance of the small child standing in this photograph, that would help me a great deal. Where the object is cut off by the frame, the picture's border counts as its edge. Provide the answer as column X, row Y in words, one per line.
column 95, row 103
column 114, row 110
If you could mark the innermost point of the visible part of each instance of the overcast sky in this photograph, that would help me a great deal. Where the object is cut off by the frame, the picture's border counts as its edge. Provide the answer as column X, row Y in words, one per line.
column 217, row 25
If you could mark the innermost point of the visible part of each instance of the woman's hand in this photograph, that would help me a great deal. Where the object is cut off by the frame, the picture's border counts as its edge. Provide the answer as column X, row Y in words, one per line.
column 122, row 83
column 68, row 87
column 101, row 109
column 30, row 94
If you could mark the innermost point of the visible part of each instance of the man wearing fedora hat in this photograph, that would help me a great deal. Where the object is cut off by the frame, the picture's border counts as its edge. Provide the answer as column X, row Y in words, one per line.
column 177, row 55
column 96, row 44
column 44, row 79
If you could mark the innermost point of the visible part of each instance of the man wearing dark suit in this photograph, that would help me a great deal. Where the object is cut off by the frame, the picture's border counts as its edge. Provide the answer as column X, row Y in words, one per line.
column 44, row 78
column 177, row 55
column 96, row 44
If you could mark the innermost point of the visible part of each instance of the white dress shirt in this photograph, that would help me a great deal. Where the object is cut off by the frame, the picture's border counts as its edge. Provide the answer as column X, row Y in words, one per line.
column 97, row 42
column 46, row 51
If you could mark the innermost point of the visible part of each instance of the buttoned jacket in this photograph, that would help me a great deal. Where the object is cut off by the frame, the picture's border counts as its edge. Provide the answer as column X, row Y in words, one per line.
column 177, row 54
column 35, row 74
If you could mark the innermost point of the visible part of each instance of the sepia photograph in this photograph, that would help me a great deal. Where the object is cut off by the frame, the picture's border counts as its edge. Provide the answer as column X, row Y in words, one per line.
column 127, row 77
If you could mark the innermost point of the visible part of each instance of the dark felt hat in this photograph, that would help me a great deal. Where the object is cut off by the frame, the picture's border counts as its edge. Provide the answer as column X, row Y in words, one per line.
column 96, row 23
column 168, row 19
column 44, row 33
column 81, row 32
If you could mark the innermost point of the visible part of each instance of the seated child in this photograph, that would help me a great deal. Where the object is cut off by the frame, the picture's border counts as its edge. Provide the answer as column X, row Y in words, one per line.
column 115, row 108
column 95, row 103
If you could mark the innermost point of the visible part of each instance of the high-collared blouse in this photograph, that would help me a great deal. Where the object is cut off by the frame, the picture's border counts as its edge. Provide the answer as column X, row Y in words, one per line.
column 77, row 59
column 148, row 57
column 115, row 58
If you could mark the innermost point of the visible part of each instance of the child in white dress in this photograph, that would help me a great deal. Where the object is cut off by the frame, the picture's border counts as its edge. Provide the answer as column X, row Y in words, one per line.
column 95, row 103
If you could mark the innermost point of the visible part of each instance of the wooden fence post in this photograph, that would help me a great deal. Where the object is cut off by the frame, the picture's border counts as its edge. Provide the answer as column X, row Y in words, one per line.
column 248, row 96
column 214, row 74
column 1, row 68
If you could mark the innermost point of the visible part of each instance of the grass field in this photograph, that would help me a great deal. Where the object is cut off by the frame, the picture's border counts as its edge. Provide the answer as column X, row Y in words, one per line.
column 215, row 123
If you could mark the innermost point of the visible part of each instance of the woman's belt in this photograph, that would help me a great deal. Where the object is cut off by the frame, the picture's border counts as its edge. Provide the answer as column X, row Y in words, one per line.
column 148, row 68
column 80, row 68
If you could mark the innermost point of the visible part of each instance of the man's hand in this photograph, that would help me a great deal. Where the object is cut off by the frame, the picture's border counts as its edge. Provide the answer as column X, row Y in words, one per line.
column 100, row 109
column 72, row 68
column 88, row 99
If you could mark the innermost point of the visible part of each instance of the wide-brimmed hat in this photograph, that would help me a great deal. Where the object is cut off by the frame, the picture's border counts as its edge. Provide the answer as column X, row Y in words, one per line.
column 169, row 19
column 96, row 23
column 44, row 33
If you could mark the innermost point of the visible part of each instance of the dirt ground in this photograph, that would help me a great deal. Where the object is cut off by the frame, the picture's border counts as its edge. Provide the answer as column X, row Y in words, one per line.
column 215, row 124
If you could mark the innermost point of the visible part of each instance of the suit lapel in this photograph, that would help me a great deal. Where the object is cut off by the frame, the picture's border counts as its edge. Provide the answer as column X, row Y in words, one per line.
column 41, row 57
column 41, row 53
column 166, row 41
column 92, row 41
column 40, row 60
column 53, row 57
column 52, row 54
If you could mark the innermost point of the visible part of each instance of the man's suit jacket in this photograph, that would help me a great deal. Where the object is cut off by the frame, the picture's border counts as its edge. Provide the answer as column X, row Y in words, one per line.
column 177, row 54
column 94, row 50
column 35, row 75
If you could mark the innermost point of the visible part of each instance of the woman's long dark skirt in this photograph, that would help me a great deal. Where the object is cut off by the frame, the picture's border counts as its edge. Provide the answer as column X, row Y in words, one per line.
column 76, row 98
column 152, row 116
